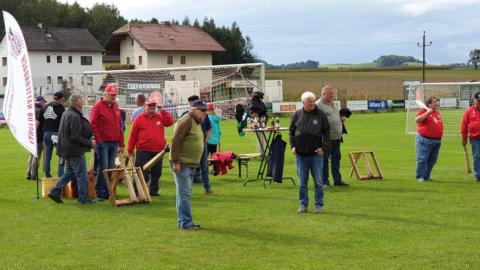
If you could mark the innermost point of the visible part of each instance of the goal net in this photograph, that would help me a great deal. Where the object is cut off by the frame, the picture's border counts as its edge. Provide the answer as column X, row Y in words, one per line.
column 223, row 85
column 454, row 98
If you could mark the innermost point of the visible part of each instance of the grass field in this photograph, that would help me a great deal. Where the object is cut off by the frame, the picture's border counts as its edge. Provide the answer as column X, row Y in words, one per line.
column 359, row 85
column 395, row 223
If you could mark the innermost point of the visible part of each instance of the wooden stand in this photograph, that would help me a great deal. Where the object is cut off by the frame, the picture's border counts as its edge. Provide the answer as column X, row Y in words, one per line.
column 355, row 157
column 133, row 179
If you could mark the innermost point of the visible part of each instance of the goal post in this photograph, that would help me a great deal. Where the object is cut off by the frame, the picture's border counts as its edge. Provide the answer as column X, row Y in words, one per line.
column 223, row 85
column 453, row 99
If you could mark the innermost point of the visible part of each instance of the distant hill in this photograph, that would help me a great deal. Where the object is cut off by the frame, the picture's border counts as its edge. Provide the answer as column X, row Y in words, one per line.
column 361, row 65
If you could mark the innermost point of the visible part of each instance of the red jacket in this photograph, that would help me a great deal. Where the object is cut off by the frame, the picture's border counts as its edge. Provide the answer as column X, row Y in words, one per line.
column 432, row 126
column 471, row 124
column 148, row 132
column 106, row 123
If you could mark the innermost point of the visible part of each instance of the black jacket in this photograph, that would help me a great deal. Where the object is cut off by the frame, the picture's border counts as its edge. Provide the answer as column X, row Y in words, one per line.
column 74, row 134
column 276, row 159
column 309, row 131
column 50, row 116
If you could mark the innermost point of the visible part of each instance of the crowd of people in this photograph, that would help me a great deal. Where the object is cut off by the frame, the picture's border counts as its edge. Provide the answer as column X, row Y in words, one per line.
column 315, row 135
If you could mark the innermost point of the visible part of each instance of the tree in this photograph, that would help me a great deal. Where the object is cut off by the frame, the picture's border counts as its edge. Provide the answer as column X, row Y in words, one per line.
column 474, row 57
column 103, row 20
column 395, row 60
column 186, row 21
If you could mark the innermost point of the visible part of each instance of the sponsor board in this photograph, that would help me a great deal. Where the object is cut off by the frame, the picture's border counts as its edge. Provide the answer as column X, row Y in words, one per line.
column 357, row 105
column 286, row 107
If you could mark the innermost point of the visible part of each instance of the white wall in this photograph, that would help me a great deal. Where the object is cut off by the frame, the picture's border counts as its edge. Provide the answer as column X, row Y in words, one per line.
column 41, row 69
column 133, row 50
column 158, row 59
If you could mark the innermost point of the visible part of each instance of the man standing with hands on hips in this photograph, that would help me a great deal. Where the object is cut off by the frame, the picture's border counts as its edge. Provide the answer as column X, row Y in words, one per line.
column 107, row 127
column 185, row 154
column 471, row 129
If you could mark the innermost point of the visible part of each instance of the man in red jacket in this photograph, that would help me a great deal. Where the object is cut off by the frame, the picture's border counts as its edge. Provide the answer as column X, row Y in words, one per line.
column 471, row 128
column 148, row 138
column 107, row 127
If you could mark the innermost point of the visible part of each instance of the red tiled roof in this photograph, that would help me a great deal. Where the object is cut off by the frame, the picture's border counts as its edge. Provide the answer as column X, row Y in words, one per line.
column 163, row 37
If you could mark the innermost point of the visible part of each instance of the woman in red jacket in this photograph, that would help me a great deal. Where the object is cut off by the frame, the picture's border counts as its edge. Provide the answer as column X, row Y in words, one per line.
column 147, row 136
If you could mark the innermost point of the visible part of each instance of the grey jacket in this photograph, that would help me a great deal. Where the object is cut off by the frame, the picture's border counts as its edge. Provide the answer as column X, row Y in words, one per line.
column 309, row 131
column 333, row 116
column 74, row 134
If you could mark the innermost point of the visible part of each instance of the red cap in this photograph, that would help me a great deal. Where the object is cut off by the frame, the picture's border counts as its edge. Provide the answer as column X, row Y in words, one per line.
column 150, row 101
column 210, row 106
column 111, row 89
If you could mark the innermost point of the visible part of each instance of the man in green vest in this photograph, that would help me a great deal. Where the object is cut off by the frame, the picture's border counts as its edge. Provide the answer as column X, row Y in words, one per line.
column 185, row 154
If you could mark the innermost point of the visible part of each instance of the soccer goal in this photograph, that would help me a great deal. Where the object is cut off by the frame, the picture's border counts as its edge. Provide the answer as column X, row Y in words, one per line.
column 454, row 98
column 223, row 85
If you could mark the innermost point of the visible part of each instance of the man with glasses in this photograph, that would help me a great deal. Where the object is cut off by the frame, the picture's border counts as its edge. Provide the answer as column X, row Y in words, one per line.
column 148, row 138
column 185, row 155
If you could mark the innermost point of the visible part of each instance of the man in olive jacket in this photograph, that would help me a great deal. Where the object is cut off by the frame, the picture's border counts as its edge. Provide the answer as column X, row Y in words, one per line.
column 185, row 154
column 74, row 139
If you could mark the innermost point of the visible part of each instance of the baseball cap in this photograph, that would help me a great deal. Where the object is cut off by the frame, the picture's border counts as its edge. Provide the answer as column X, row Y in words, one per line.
column 477, row 96
column 111, row 89
column 58, row 94
column 39, row 99
column 150, row 101
column 199, row 105
column 211, row 107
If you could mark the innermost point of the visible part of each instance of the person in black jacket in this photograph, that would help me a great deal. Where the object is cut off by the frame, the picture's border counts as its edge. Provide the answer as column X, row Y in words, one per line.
column 50, row 116
column 74, row 139
column 309, row 137
column 32, row 171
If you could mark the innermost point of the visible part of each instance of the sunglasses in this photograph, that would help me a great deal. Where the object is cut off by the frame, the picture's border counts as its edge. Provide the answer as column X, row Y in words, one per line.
column 152, row 105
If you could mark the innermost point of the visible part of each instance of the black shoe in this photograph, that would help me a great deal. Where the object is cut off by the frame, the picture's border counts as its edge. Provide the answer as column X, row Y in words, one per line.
column 29, row 177
column 193, row 227
column 55, row 198
column 100, row 199
column 154, row 194
column 342, row 184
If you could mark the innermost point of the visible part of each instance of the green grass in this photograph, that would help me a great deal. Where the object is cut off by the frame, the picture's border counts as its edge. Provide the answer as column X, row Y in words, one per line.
column 395, row 223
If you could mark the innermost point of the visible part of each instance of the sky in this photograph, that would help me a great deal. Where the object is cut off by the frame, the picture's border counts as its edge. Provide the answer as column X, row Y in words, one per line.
column 331, row 31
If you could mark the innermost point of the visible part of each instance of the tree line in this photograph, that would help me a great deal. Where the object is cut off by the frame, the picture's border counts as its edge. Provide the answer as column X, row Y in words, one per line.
column 102, row 19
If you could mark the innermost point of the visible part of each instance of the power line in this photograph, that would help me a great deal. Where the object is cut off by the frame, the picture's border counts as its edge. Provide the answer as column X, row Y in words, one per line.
column 424, row 45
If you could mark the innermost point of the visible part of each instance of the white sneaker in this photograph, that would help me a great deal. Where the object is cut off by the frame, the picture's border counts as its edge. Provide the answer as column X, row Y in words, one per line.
column 318, row 210
column 302, row 209
column 420, row 180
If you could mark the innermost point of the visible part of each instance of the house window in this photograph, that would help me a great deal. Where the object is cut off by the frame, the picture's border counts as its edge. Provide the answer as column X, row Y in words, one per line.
column 48, row 58
column 4, row 81
column 89, row 80
column 183, row 59
column 132, row 41
column 128, row 60
column 70, row 80
column 59, row 59
column 140, row 62
column 170, row 60
column 85, row 60
column 49, row 79
column 59, row 79
column 4, row 61
column 183, row 77
column 70, row 59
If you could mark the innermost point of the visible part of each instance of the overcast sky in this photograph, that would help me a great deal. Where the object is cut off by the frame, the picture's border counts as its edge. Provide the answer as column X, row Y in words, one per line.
column 331, row 31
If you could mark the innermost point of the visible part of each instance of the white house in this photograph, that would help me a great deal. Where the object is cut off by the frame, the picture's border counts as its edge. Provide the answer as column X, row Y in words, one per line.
column 54, row 53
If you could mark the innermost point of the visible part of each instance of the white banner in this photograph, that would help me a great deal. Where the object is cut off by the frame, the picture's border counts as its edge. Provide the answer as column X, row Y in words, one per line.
column 18, row 105
column 286, row 107
column 357, row 105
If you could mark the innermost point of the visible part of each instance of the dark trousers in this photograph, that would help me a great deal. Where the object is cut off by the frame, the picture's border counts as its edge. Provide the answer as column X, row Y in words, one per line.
column 152, row 177
column 333, row 154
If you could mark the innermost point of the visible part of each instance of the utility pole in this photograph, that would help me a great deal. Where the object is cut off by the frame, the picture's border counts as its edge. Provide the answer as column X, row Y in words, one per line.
column 424, row 45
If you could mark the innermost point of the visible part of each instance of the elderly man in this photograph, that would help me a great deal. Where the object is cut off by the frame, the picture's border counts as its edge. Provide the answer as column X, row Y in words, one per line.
column 74, row 139
column 106, row 123
column 140, row 101
column 50, row 116
column 309, row 137
column 325, row 104
column 470, row 128
column 32, row 171
column 187, row 149
column 148, row 138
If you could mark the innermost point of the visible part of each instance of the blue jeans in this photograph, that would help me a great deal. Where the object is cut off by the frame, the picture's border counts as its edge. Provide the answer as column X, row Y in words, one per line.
column 314, row 164
column 427, row 155
column 476, row 157
column 334, row 155
column 183, row 181
column 204, row 169
column 106, row 153
column 76, row 167
column 152, row 177
column 48, row 143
